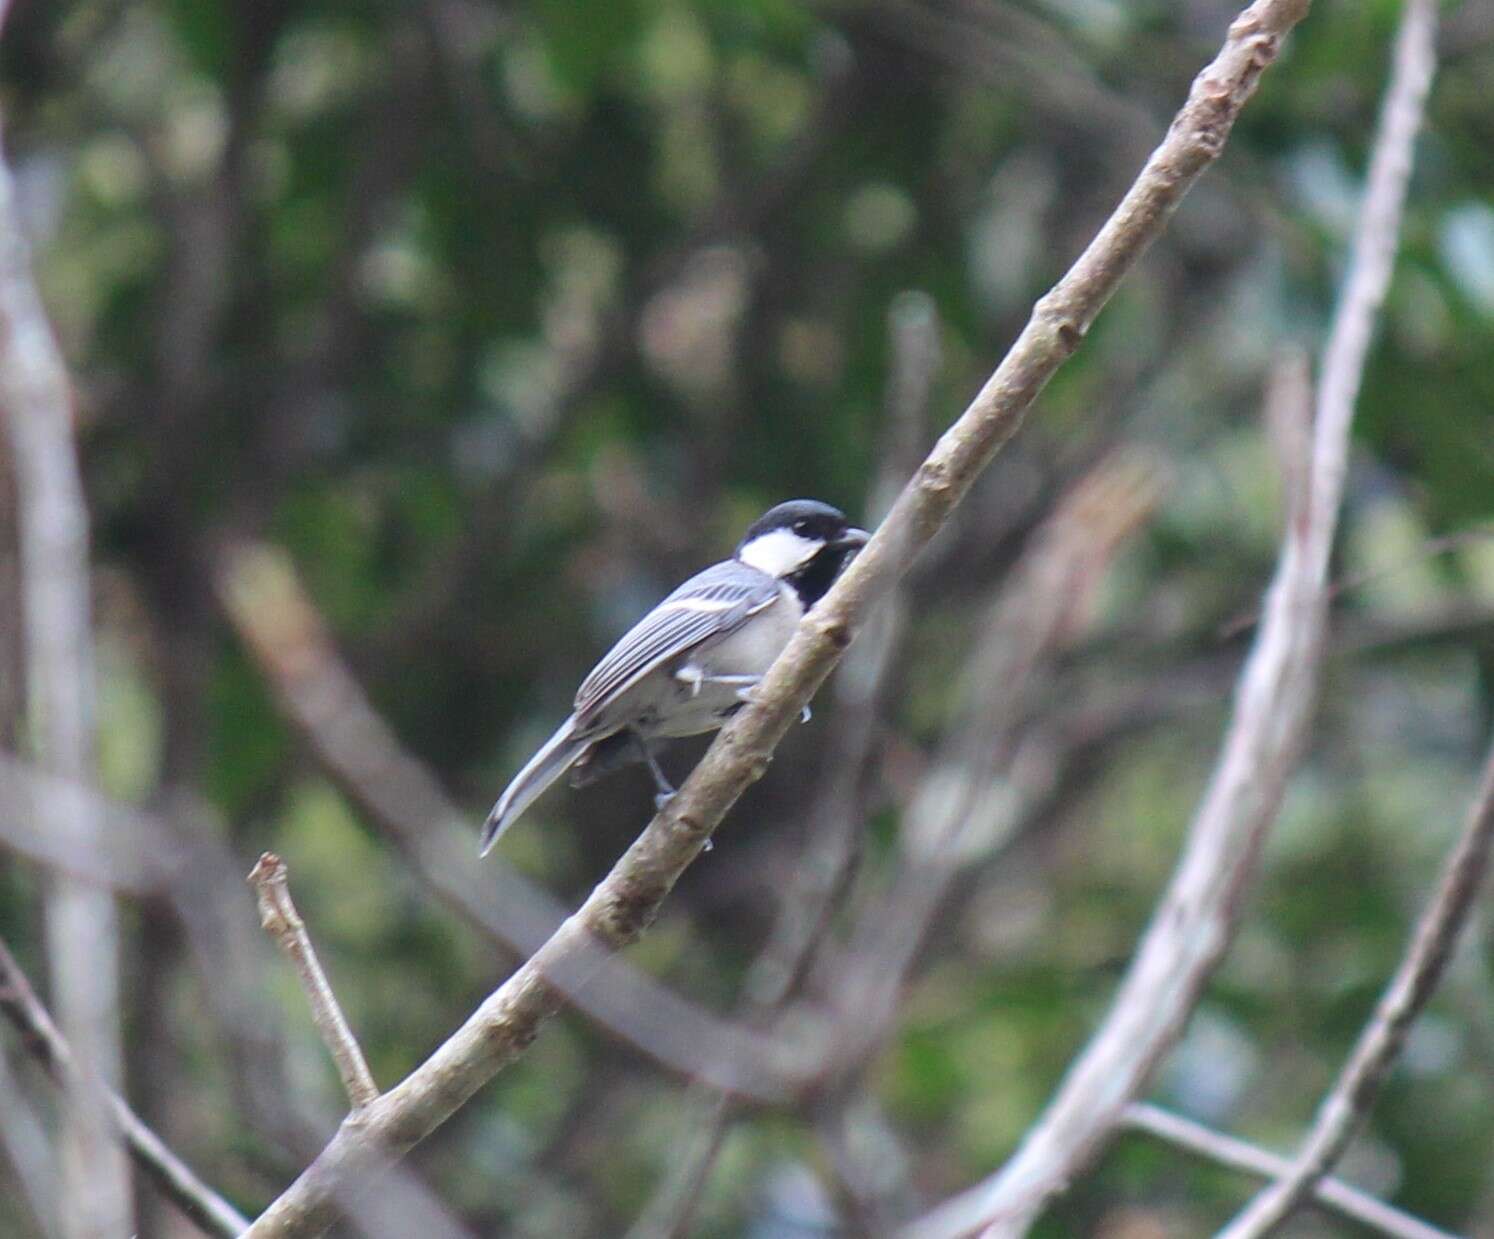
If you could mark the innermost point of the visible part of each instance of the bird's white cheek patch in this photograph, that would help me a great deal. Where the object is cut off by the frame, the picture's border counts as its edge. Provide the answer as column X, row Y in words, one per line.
column 781, row 552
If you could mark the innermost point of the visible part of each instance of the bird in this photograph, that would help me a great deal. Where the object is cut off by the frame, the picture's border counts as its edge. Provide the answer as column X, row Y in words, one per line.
column 693, row 661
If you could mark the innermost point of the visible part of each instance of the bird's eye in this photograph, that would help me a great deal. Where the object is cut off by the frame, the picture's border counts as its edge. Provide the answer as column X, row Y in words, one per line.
column 801, row 526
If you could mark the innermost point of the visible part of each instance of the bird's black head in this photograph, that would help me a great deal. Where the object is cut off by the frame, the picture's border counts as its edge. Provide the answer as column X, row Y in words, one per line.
column 802, row 542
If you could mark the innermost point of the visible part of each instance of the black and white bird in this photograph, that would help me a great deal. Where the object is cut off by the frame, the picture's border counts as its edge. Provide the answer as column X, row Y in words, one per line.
column 692, row 661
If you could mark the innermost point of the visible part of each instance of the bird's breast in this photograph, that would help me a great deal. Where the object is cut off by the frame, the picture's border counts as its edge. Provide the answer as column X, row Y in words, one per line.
column 751, row 648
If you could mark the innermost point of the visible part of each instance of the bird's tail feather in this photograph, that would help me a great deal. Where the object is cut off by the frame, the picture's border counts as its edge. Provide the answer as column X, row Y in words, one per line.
column 557, row 753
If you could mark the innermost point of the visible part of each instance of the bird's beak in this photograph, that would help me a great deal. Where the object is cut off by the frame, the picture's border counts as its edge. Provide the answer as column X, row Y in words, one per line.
column 852, row 540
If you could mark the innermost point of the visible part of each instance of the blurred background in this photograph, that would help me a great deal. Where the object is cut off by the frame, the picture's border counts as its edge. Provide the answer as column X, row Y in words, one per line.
column 420, row 347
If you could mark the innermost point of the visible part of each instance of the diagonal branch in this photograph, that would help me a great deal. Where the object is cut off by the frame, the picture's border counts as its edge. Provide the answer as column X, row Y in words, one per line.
column 20, row 1005
column 622, row 906
column 278, row 916
column 1196, row 918
column 1241, row 1155
column 1347, row 1104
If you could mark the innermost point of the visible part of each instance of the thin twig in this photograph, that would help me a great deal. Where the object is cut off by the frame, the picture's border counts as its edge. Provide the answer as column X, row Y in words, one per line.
column 19, row 1003
column 1252, row 1159
column 278, row 916
column 622, row 906
column 1196, row 919
column 1348, row 1102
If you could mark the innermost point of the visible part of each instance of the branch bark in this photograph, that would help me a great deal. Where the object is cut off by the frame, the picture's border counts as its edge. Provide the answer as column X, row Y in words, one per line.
column 19, row 1003
column 1196, row 918
column 81, row 922
column 279, row 918
column 623, row 905
column 1252, row 1159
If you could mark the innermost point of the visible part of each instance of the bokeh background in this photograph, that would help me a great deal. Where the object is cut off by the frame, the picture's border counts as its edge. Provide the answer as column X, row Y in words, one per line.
column 496, row 320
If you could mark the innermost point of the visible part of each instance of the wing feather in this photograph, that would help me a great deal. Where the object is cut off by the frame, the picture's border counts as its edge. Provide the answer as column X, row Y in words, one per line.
column 710, row 604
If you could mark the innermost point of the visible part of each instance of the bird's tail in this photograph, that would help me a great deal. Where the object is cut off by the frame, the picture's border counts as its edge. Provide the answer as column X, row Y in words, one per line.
column 558, row 752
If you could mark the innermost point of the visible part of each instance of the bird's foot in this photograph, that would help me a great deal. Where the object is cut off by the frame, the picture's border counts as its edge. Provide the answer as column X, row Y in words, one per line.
column 804, row 714
column 662, row 800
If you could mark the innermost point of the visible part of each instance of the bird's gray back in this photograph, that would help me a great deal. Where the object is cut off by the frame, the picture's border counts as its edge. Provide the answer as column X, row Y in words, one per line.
column 710, row 604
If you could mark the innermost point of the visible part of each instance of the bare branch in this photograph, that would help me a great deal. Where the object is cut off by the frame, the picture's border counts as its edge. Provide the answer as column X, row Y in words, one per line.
column 1252, row 1159
column 621, row 907
column 278, row 916
column 1288, row 417
column 82, row 926
column 1196, row 919
column 1378, row 233
column 20, row 1005
column 1347, row 1104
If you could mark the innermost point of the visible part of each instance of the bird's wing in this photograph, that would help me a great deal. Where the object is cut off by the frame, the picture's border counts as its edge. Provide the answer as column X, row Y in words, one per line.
column 710, row 604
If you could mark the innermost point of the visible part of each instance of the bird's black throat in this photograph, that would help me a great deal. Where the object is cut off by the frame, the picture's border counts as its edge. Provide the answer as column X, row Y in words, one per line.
column 813, row 581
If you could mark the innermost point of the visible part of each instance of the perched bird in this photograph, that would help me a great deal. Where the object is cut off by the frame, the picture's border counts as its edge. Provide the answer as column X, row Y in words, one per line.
column 690, row 663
